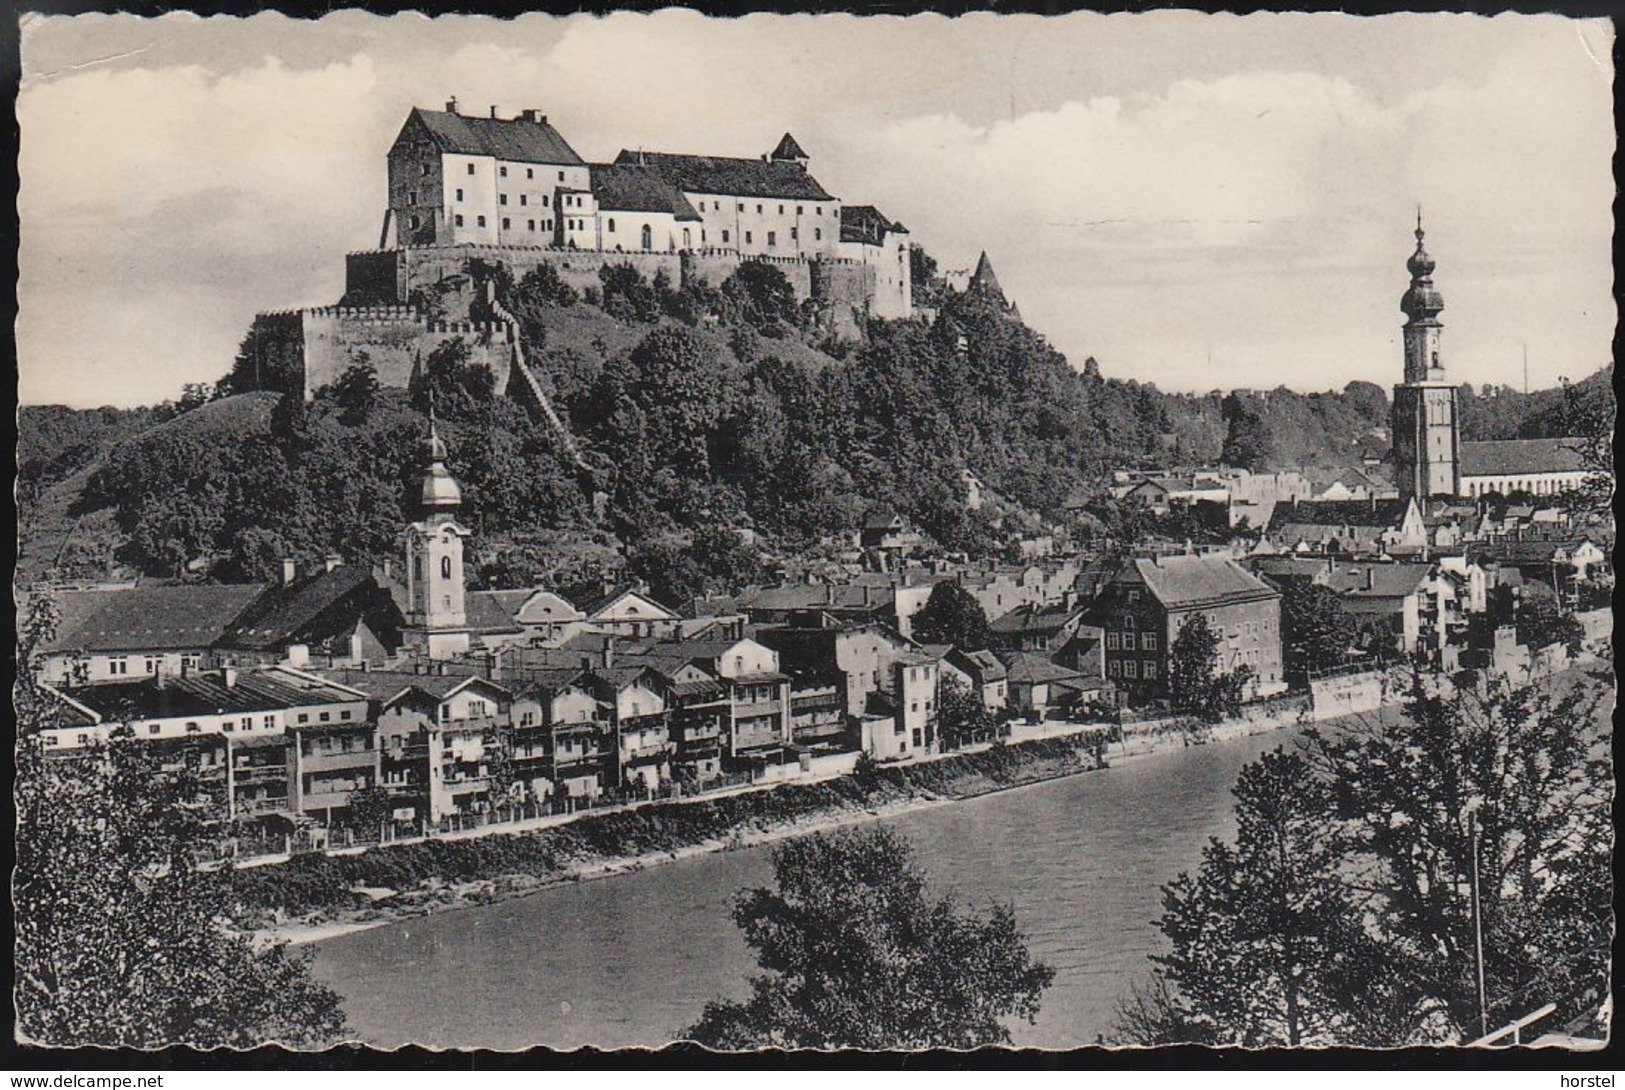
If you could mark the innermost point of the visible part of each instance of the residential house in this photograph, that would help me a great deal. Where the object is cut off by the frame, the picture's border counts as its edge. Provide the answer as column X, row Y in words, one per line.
column 336, row 614
column 1037, row 628
column 1147, row 601
column 982, row 673
column 137, row 632
column 628, row 611
column 563, row 742
column 1348, row 527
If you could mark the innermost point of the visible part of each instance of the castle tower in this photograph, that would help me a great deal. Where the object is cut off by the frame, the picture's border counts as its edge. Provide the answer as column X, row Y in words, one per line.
column 436, row 619
column 1425, row 440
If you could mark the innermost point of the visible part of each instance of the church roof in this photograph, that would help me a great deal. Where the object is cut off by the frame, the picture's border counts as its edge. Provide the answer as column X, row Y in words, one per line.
column 627, row 187
column 519, row 140
column 1511, row 457
column 733, row 177
column 864, row 223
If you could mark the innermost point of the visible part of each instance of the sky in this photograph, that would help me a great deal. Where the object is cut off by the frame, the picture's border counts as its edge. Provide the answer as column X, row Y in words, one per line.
column 1200, row 201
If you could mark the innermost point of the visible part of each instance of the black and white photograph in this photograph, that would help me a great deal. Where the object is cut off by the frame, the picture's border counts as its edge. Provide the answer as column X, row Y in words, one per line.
column 785, row 532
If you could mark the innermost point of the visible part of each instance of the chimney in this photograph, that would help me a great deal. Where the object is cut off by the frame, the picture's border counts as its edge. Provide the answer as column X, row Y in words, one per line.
column 493, row 113
column 608, row 653
column 290, row 571
column 228, row 677
column 389, row 568
column 1370, row 579
column 356, row 658
column 298, row 655
column 451, row 104
column 586, row 664
column 829, row 594
column 493, row 665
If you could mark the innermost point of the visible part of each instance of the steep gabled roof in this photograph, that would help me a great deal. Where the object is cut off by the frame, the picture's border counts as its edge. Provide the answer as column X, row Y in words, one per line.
column 492, row 611
column 628, row 187
column 731, row 177
column 1026, row 668
column 313, row 609
column 864, row 223
column 788, row 149
column 518, row 140
column 149, row 618
column 983, row 280
column 1512, row 457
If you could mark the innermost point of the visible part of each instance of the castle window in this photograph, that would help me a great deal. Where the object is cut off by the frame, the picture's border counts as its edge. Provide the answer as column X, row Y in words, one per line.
column 424, row 170
column 502, row 198
column 153, row 728
column 502, row 172
column 504, row 223
column 561, row 175
column 772, row 238
column 522, row 201
column 724, row 234
column 529, row 173
column 739, row 208
column 530, row 225
column 471, row 168
column 479, row 221
column 459, row 194
column 758, row 210
column 612, row 226
column 792, row 234
column 818, row 234
column 458, row 219
column 445, row 567
column 546, row 200
column 414, row 221
column 747, row 238
column 799, row 211
column 781, row 209
column 819, row 210
column 412, row 196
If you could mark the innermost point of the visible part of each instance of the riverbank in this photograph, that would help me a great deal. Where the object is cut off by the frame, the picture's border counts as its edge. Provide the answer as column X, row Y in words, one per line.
column 312, row 898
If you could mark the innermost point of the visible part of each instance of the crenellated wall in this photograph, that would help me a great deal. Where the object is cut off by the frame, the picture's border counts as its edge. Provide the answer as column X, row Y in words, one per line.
column 307, row 349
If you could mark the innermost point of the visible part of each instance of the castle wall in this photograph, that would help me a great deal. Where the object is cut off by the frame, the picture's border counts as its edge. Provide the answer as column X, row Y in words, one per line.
column 308, row 349
column 374, row 278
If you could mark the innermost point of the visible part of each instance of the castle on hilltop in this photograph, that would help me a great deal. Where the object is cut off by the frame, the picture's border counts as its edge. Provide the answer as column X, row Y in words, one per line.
column 466, row 193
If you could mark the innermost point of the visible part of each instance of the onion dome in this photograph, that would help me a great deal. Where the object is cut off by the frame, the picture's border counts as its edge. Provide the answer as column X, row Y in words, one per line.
column 440, row 488
column 1421, row 301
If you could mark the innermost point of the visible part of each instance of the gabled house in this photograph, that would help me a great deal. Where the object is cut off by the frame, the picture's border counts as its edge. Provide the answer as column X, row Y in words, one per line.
column 1348, row 527
column 629, row 611
column 982, row 673
column 1037, row 628
column 136, row 632
column 1146, row 603
column 337, row 614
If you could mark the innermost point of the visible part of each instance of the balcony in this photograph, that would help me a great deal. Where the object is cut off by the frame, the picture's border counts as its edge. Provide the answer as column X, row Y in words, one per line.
column 246, row 774
column 650, row 751
column 260, row 807
column 323, row 762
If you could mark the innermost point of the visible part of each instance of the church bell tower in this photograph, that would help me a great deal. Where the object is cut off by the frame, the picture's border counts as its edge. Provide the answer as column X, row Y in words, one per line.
column 436, row 619
column 1426, row 443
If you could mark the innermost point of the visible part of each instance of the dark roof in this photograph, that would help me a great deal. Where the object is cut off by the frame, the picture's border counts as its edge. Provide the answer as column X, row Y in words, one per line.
column 864, row 223
column 604, row 601
column 1384, row 514
column 733, row 177
column 207, row 694
column 1512, row 457
column 1378, row 580
column 312, row 609
column 984, row 280
column 1526, row 551
column 1030, row 618
column 149, row 618
column 983, row 663
column 1188, row 581
column 518, row 140
column 1024, row 667
column 788, row 149
column 628, row 187
column 489, row 610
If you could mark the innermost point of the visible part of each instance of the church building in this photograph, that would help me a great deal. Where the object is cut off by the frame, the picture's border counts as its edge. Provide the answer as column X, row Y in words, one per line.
column 1425, row 436
column 436, row 617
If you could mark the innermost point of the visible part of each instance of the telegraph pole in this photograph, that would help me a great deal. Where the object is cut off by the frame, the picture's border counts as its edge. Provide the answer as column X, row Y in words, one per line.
column 1478, row 930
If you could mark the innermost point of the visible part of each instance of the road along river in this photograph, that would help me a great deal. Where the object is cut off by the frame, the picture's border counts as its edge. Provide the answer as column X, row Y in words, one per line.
column 629, row 960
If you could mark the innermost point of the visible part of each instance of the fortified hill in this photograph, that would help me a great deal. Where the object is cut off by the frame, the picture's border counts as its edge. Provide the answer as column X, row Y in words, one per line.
column 467, row 194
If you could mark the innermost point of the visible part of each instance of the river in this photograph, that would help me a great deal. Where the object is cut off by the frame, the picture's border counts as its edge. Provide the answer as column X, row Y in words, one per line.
column 631, row 959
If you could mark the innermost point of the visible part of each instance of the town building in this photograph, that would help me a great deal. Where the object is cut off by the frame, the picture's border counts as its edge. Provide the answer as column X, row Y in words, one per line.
column 1539, row 467
column 137, row 632
column 982, row 673
column 1147, row 601
column 1347, row 527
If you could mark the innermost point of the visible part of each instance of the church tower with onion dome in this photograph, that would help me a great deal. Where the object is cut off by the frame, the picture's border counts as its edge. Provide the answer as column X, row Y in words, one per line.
column 436, row 617
column 1426, row 443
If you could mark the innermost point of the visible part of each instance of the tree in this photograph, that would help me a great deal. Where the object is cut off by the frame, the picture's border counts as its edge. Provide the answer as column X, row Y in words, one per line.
column 857, row 954
column 356, row 390
column 1268, row 944
column 1345, row 911
column 763, row 297
column 952, row 615
column 962, row 716
column 1195, row 684
column 1590, row 412
column 371, row 809
column 1247, row 440
column 121, row 938
column 1316, row 631
column 627, row 295
column 1542, row 621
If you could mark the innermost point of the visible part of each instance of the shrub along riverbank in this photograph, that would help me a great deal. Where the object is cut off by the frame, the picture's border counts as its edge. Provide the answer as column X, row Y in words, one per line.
column 324, row 887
